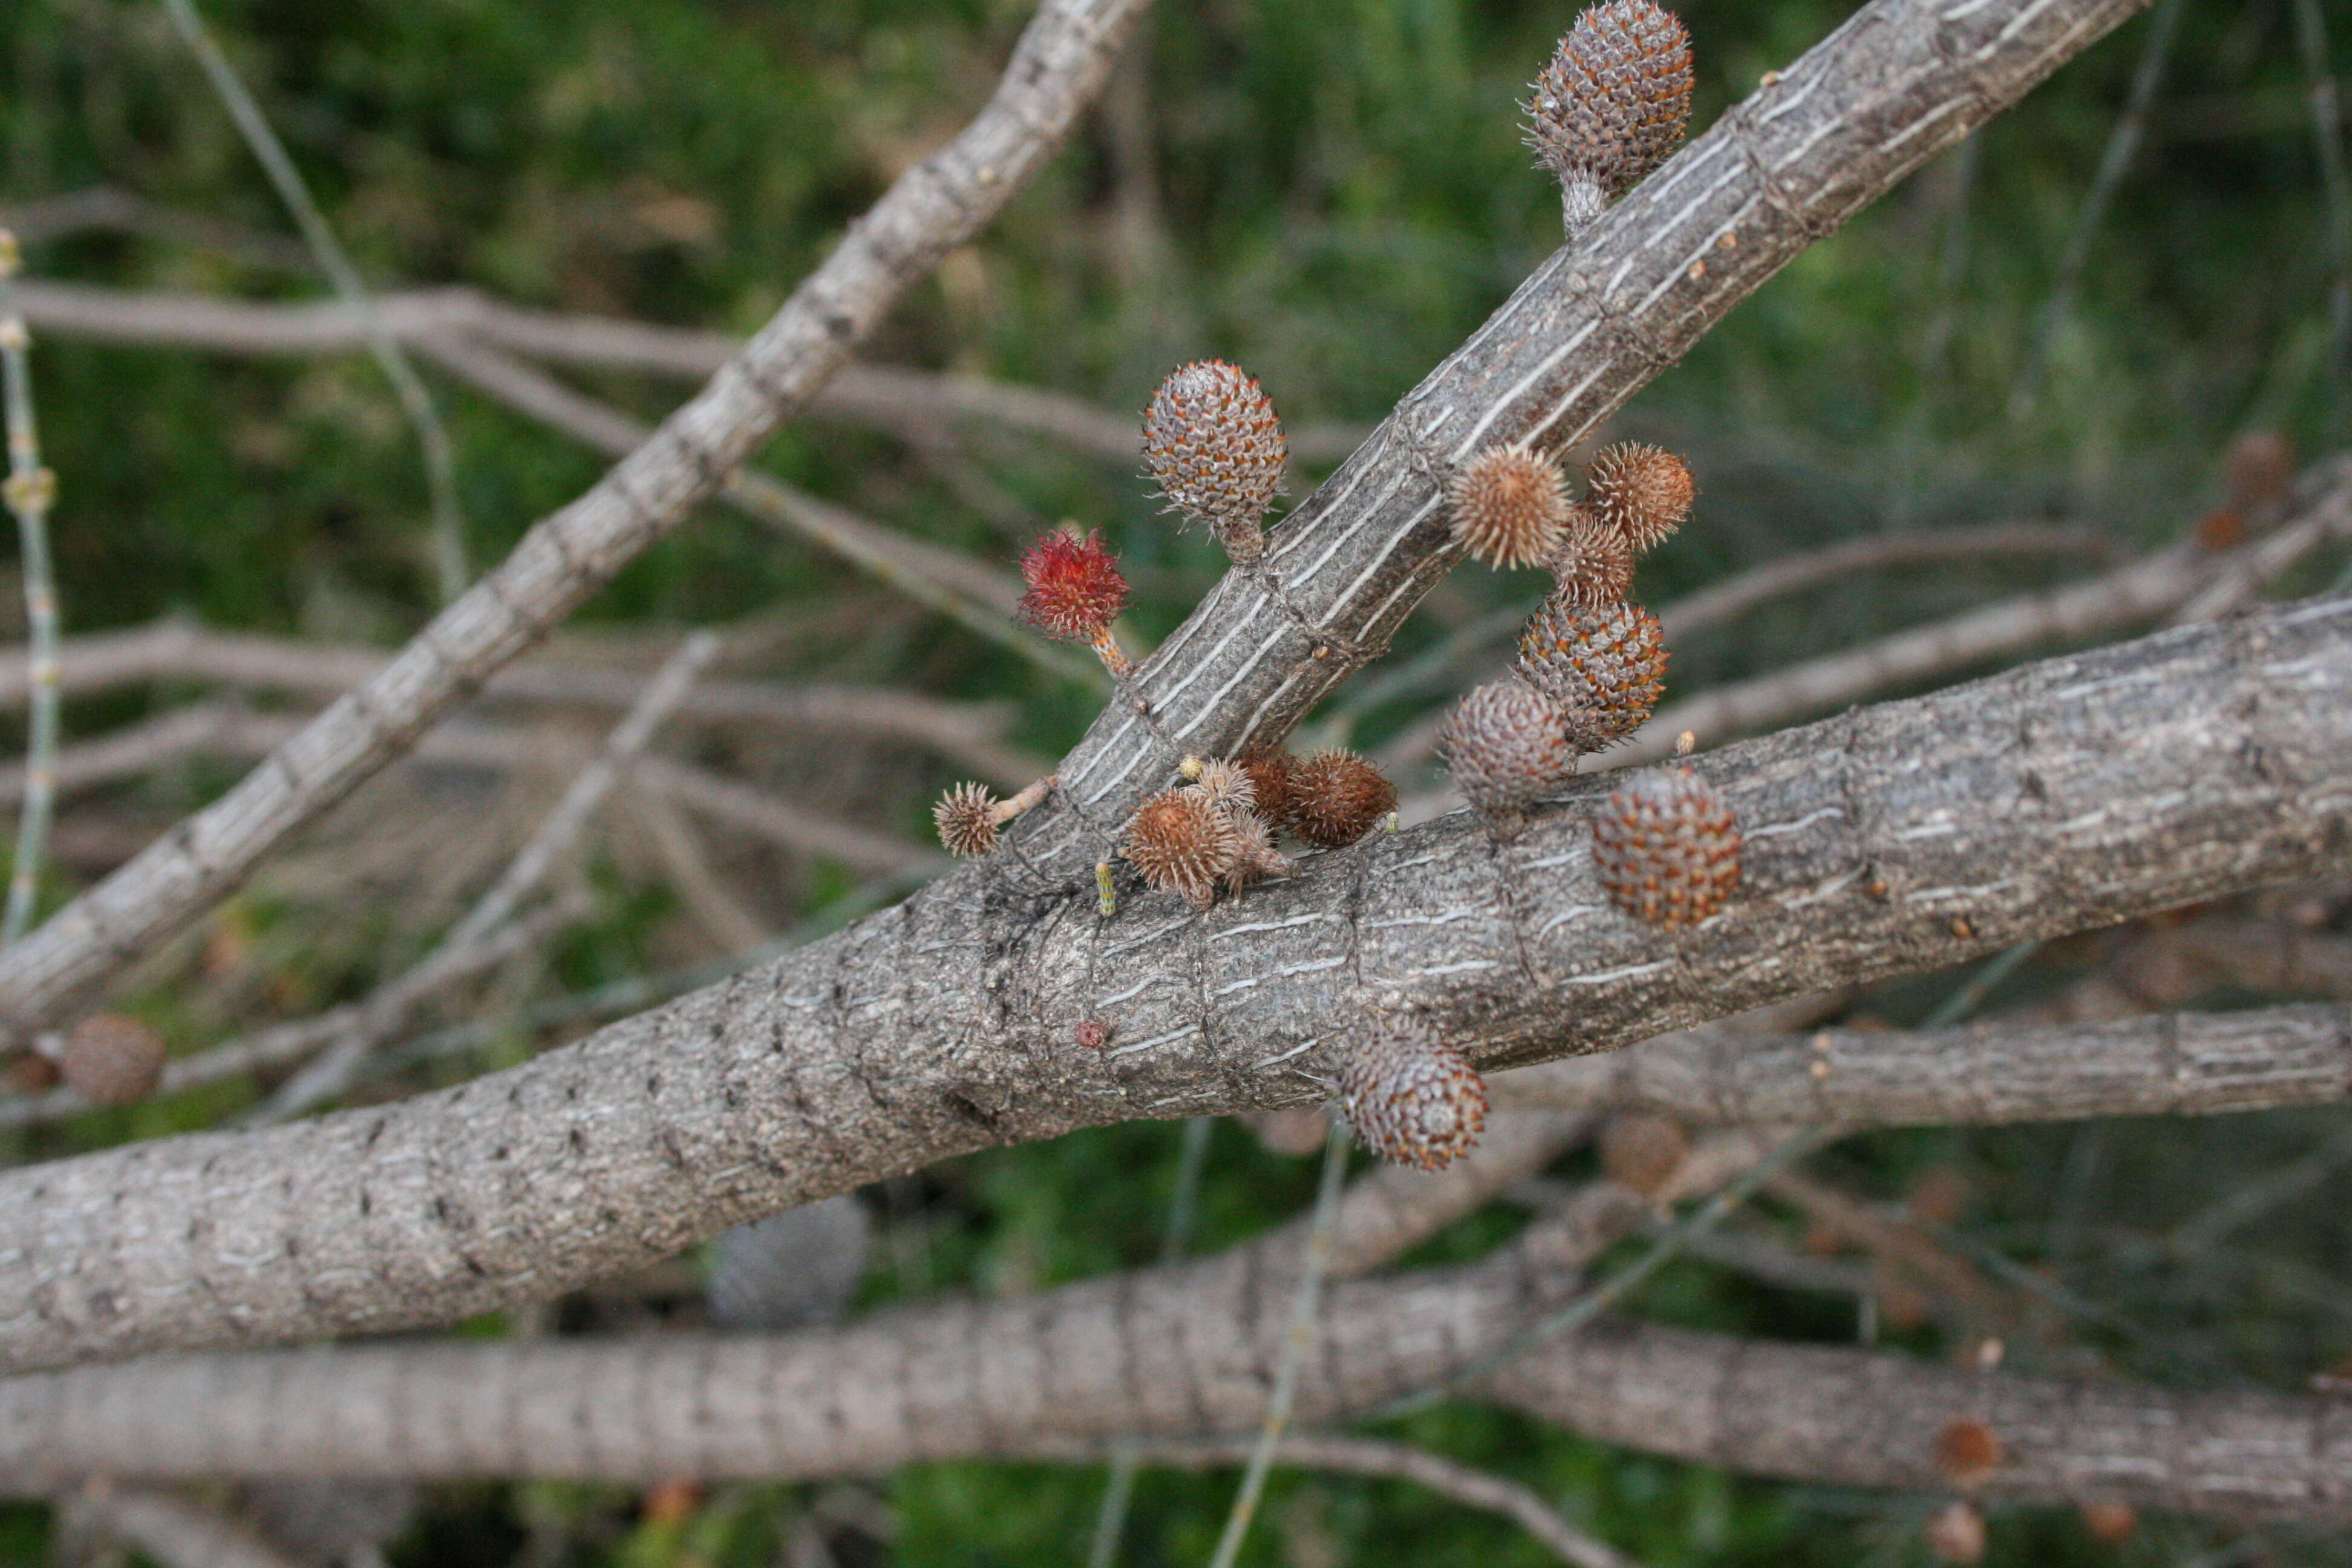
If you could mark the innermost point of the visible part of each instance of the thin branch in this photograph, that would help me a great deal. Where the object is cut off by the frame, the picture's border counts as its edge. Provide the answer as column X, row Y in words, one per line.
column 334, row 1070
column 2122, row 142
column 2334, row 183
column 2184, row 1064
column 108, row 207
column 1063, row 59
column 171, row 1530
column 1339, row 1454
column 416, row 402
column 29, row 489
column 1906, row 837
column 713, row 904
column 918, row 405
column 174, row 650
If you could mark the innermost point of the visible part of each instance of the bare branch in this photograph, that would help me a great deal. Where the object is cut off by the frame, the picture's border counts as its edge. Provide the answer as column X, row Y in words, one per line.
column 172, row 1530
column 2073, row 792
column 1061, row 61
column 2178, row 1064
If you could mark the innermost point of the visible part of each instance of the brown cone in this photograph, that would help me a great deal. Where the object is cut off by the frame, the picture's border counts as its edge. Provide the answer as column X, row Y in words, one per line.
column 1506, row 744
column 1595, row 565
column 1666, row 848
column 1181, row 844
column 1213, row 441
column 1509, row 505
column 1410, row 1097
column 1615, row 97
column 1604, row 666
column 1642, row 492
column 110, row 1060
column 1337, row 797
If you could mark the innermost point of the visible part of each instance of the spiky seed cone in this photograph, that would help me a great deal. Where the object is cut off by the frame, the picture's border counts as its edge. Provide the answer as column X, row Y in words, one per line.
column 1967, row 1451
column 1595, row 565
column 1254, row 855
column 1506, row 744
column 1643, row 1150
column 1611, row 104
column 1216, row 445
column 1337, row 797
column 1666, row 848
column 110, row 1060
column 1510, row 506
column 1642, row 492
column 1604, row 666
column 1181, row 843
column 1412, row 1098
column 1228, row 786
column 966, row 817
column 1958, row 1534
column 1269, row 769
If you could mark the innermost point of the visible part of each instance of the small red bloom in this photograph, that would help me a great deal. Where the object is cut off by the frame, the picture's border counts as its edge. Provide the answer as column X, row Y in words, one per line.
column 1075, row 589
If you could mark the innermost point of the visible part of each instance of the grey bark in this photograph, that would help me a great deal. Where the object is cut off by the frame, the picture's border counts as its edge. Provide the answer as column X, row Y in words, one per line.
column 1063, row 59
column 2179, row 1064
column 2062, row 795
column 1166, row 1352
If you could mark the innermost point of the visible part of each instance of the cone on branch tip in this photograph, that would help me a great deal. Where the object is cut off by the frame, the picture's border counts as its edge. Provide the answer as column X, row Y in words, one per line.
column 1410, row 1097
column 1337, row 797
column 1594, row 565
column 1642, row 492
column 1509, row 505
column 1667, row 848
column 968, row 816
column 1180, row 843
column 1216, row 450
column 1507, row 745
column 110, row 1060
column 1075, row 591
column 1611, row 104
column 1604, row 666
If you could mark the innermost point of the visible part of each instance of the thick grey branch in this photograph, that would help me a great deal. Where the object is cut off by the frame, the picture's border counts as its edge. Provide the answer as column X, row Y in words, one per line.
column 2065, row 795
column 1061, row 61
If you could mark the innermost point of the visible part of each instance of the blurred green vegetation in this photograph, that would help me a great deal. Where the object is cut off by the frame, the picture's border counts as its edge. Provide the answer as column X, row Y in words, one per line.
column 1334, row 193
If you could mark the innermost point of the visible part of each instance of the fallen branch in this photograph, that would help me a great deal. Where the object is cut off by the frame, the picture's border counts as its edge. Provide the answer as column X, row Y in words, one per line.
column 1063, row 59
column 2074, row 793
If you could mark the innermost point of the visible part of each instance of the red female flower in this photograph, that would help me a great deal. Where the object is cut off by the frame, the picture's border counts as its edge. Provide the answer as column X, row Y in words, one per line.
column 1075, row 591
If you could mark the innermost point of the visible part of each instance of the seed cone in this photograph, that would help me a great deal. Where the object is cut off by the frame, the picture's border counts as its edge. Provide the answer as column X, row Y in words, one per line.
column 1603, row 667
column 1506, row 744
column 1611, row 104
column 1641, row 1150
column 1253, row 854
column 1075, row 587
column 1214, row 443
column 1642, row 492
column 1510, row 506
column 1269, row 769
column 1666, row 848
column 1967, row 1451
column 1227, row 785
column 1181, row 843
column 110, row 1060
column 966, row 819
column 1337, row 797
column 1412, row 1098
column 1595, row 565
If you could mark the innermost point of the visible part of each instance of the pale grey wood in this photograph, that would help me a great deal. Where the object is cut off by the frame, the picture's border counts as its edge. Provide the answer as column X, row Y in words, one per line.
column 2065, row 795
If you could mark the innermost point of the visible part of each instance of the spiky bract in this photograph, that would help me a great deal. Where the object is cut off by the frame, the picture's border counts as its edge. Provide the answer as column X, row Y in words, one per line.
column 1337, row 797
column 1181, row 843
column 1075, row 587
column 1594, row 563
column 1615, row 97
column 1644, row 493
column 1667, row 848
column 1506, row 744
column 966, row 817
column 1227, row 785
column 1213, row 441
column 1510, row 506
column 1604, row 666
column 110, row 1060
column 1253, row 854
column 1412, row 1098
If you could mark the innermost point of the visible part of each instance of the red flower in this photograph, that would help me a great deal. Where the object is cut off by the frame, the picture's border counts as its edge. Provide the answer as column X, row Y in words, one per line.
column 1075, row 589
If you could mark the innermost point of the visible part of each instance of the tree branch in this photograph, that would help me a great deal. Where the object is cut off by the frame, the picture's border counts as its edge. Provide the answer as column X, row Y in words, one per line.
column 2178, row 1064
column 2070, row 794
column 1061, row 61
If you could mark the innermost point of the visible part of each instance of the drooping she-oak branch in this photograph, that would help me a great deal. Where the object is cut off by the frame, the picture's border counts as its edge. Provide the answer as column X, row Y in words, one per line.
column 2066, row 794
